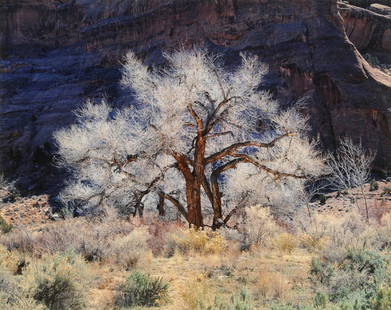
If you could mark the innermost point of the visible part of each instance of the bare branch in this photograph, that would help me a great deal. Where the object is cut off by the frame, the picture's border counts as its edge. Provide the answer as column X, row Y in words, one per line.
column 233, row 148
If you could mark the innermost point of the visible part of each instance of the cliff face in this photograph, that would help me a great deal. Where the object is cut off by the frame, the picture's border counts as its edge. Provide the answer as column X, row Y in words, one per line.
column 57, row 54
column 366, row 29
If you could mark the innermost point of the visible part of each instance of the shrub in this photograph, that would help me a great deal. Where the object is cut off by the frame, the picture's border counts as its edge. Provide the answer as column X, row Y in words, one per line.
column 13, row 296
column 127, row 251
column 58, row 281
column 320, row 300
column 285, row 243
column 355, row 301
column 320, row 271
column 290, row 307
column 241, row 301
column 374, row 186
column 383, row 299
column 383, row 232
column 196, row 295
column 11, row 260
column 339, row 234
column 258, row 226
column 188, row 241
column 4, row 226
column 313, row 242
column 272, row 285
column 90, row 239
column 354, row 279
column 20, row 240
column 8, row 288
column 159, row 232
column 142, row 290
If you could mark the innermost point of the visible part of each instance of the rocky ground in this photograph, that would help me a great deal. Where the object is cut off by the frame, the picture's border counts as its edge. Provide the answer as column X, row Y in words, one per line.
column 25, row 211
column 378, row 200
column 35, row 210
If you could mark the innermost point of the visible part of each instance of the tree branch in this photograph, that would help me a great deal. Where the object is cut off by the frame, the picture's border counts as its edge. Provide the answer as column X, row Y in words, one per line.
column 200, row 125
column 176, row 203
column 277, row 174
column 234, row 147
column 219, row 134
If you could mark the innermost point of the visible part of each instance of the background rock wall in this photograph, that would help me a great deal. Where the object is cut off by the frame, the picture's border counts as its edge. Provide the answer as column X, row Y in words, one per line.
column 56, row 54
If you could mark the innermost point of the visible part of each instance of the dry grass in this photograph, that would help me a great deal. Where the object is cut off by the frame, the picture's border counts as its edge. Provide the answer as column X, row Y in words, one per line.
column 273, row 285
column 191, row 241
column 286, row 243
column 201, row 264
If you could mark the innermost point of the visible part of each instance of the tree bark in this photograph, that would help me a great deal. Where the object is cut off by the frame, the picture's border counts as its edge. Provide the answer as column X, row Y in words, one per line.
column 160, row 205
column 195, row 211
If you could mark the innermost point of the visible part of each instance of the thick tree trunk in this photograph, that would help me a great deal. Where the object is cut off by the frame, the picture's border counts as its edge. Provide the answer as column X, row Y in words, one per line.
column 195, row 210
column 193, row 182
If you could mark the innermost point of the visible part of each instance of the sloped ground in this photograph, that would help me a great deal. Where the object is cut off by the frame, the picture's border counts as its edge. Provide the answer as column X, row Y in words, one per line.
column 35, row 210
column 21, row 211
column 378, row 200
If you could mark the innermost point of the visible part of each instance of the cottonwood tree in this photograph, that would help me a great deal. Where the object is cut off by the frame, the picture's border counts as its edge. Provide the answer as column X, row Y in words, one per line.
column 200, row 138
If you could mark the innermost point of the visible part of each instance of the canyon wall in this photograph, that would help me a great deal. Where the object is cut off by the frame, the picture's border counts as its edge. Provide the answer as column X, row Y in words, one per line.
column 56, row 54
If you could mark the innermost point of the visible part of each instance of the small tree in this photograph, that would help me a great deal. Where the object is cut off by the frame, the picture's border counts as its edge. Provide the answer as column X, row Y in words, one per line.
column 199, row 137
column 351, row 167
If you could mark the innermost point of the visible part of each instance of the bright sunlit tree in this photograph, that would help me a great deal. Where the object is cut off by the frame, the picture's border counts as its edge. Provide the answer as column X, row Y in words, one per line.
column 200, row 139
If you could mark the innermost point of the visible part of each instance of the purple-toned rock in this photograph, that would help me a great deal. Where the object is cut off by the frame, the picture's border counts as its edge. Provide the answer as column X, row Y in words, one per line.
column 57, row 54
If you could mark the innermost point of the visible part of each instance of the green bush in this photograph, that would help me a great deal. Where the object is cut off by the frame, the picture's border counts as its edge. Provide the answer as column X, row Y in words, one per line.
column 374, row 186
column 320, row 300
column 13, row 296
column 58, row 281
column 59, row 292
column 4, row 226
column 382, row 300
column 142, row 290
column 353, row 281
column 241, row 301
column 290, row 307
column 320, row 271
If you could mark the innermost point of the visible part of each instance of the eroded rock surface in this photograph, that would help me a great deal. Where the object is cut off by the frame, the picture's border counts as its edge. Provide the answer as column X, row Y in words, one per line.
column 381, row 9
column 367, row 30
column 56, row 54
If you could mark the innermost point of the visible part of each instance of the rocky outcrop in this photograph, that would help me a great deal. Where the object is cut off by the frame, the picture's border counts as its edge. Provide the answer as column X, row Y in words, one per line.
column 368, row 31
column 56, row 54
column 380, row 9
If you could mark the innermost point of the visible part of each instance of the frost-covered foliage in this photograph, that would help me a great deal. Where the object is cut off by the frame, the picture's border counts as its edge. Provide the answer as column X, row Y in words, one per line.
column 350, row 166
column 199, row 138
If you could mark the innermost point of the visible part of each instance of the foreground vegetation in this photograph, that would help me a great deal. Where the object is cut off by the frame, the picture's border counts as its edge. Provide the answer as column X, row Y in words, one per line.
column 322, row 262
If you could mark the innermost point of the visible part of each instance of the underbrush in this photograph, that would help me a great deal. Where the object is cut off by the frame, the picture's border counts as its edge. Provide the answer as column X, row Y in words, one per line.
column 191, row 241
column 53, row 282
column 142, row 290
column 322, row 262
column 4, row 226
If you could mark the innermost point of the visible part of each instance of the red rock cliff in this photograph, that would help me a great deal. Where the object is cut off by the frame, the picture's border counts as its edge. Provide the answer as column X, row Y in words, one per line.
column 56, row 54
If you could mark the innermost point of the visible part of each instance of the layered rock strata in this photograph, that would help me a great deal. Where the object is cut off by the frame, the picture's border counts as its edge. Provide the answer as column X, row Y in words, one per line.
column 55, row 54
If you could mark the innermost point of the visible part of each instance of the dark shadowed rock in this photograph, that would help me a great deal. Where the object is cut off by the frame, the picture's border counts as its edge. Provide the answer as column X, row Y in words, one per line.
column 57, row 54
